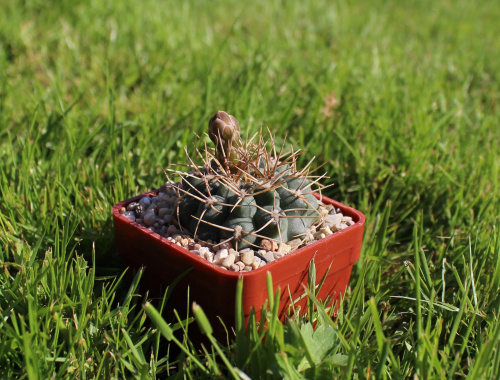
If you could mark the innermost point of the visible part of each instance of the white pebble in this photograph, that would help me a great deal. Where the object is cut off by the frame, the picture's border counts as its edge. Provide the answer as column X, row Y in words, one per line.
column 333, row 220
column 319, row 236
column 326, row 231
column 309, row 234
column 221, row 255
column 228, row 261
column 164, row 211
column 169, row 201
column 132, row 206
column 256, row 263
column 234, row 268
column 346, row 219
column 209, row 256
column 145, row 202
column 203, row 250
column 163, row 204
column 269, row 256
column 226, row 245
column 278, row 255
column 284, row 248
column 129, row 215
column 149, row 218
column 247, row 257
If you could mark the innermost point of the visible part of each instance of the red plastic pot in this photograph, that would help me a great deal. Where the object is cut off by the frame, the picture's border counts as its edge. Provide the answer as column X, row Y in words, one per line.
column 214, row 288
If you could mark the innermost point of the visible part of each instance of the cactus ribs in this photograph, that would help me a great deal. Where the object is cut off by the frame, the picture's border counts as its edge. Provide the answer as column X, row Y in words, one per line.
column 244, row 191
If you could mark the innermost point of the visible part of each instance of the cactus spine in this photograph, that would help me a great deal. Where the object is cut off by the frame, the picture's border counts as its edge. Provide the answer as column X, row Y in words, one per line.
column 244, row 191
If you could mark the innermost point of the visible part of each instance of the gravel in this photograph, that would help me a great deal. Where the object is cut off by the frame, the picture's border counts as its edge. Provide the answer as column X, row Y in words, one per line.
column 157, row 214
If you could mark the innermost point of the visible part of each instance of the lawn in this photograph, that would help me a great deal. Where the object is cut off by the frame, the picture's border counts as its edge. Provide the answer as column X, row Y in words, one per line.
column 399, row 99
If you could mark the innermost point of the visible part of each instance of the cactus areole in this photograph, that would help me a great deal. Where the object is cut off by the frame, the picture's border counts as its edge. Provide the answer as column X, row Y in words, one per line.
column 245, row 191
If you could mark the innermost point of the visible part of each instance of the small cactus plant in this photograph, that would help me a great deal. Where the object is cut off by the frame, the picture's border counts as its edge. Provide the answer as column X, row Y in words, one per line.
column 245, row 191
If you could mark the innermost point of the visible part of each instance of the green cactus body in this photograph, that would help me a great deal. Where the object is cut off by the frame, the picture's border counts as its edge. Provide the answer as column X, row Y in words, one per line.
column 245, row 193
column 281, row 214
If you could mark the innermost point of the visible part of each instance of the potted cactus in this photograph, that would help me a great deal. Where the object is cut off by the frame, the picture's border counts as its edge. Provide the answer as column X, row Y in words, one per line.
column 244, row 209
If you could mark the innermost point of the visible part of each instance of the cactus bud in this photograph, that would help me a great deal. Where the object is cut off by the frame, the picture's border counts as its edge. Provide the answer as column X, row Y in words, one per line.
column 224, row 131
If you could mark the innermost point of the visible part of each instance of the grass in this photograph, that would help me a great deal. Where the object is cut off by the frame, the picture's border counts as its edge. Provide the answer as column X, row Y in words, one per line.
column 399, row 98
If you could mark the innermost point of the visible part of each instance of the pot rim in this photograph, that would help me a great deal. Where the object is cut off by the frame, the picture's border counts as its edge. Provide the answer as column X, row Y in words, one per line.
column 356, row 215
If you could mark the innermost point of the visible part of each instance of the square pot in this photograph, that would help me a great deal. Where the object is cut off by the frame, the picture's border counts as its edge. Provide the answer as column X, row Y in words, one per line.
column 214, row 289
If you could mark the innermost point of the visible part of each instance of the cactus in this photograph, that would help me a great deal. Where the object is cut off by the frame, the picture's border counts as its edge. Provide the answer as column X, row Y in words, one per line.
column 245, row 192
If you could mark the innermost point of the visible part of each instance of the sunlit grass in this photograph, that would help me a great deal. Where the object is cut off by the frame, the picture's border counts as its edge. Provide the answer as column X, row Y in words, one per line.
column 399, row 99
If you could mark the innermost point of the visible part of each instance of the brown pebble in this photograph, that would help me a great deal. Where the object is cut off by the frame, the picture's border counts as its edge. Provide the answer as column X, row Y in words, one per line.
column 294, row 243
column 269, row 245
column 172, row 230
column 122, row 210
